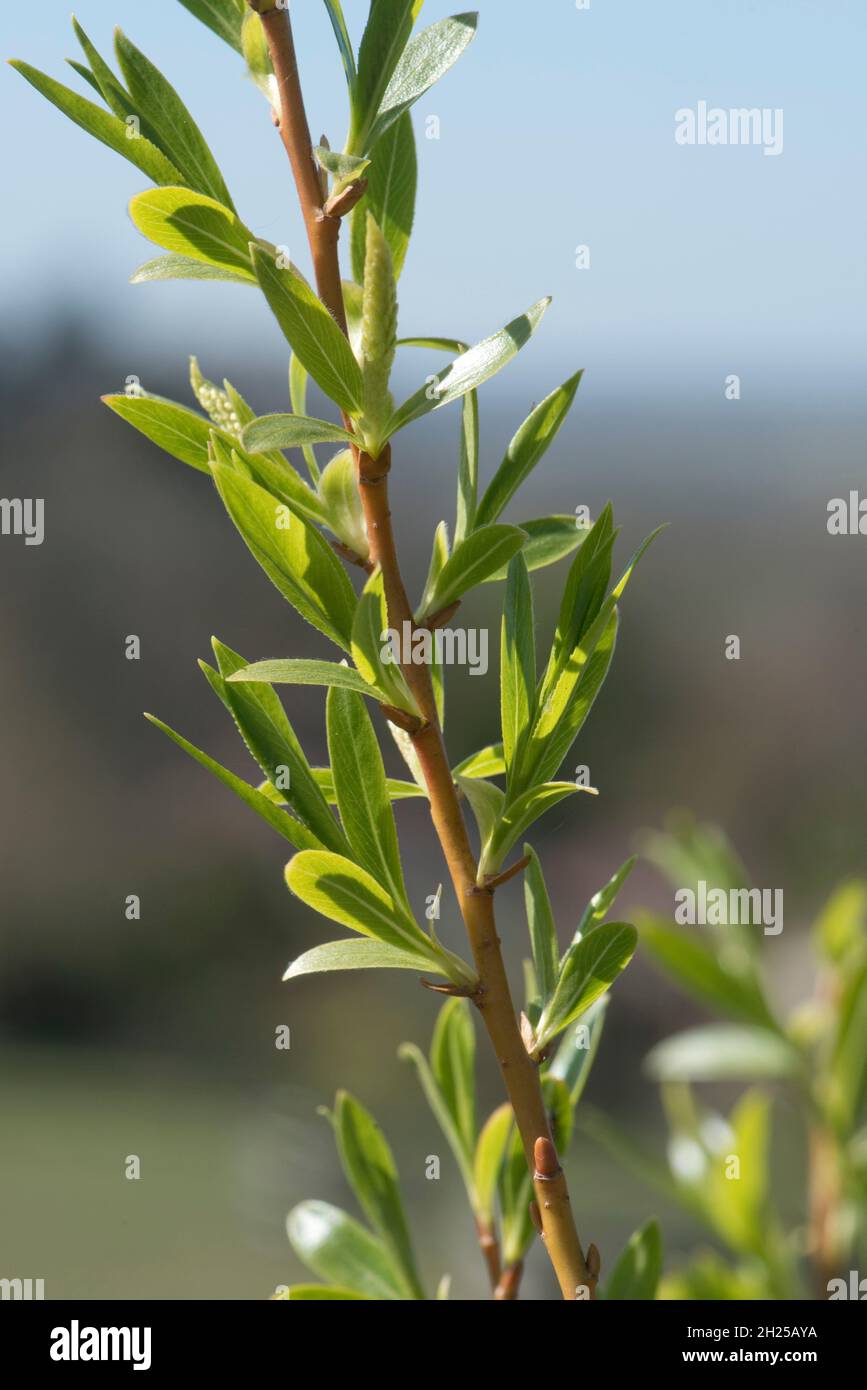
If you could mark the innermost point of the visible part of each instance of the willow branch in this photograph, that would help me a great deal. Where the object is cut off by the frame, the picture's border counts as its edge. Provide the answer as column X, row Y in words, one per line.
column 493, row 997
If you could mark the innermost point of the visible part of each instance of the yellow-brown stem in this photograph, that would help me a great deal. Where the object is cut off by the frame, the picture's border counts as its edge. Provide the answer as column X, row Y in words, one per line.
column 493, row 997
column 490, row 1248
column 509, row 1284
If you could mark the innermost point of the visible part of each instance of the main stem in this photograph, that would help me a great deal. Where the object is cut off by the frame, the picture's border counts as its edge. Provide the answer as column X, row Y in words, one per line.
column 493, row 996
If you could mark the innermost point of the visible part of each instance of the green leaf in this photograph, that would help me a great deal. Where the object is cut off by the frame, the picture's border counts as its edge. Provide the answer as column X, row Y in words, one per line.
column 489, row 1156
column 723, row 1052
column 427, row 57
column 471, row 369
column 386, row 33
column 341, row 33
column 468, row 471
column 180, row 432
column 257, row 55
column 700, row 974
column 285, row 825
column 362, row 954
column 369, row 640
column 338, row 493
column 453, row 1063
column 103, row 126
column 193, row 225
column 602, row 902
column 470, row 563
column 583, row 595
column 549, row 539
column 304, row 672
column 589, row 969
column 362, row 795
column 372, row 1174
column 519, row 815
column 175, row 267
column 291, row 432
column 486, row 802
column 517, row 662
column 488, row 762
column 222, row 16
column 528, row 447
column 179, row 135
column 738, row 1208
column 574, row 1058
column 311, row 332
column 293, row 555
column 111, row 89
column 272, row 742
column 848, row 1070
column 543, row 931
column 378, row 336
column 339, row 1249
column 408, row 1052
column 346, row 893
column 344, row 168
column 639, row 1269
column 392, row 179
column 841, row 929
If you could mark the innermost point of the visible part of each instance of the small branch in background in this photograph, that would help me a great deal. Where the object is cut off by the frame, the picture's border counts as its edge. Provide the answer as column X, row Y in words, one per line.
column 490, row 1248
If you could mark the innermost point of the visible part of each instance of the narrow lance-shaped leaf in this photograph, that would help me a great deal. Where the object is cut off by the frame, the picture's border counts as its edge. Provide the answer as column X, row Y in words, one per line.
column 339, row 1249
column 292, row 432
column 298, row 671
column 341, row 33
column 540, row 920
column 194, row 225
column 103, row 126
column 372, row 1173
column 574, row 1058
column 177, row 267
column 471, row 369
column 179, row 135
column 408, row 1052
column 519, row 814
column 362, row 795
column 549, row 539
column 298, row 378
column 179, row 431
column 453, row 1059
column 388, row 28
column 112, row 91
column 392, row 179
column 723, row 1052
column 372, row 646
column 637, row 1273
column 224, row 17
column 488, row 1159
column 588, row 971
column 526, row 450
column 427, row 57
column 470, row 563
column 698, row 971
column 310, row 331
column 486, row 801
column 468, row 467
column 338, row 493
column 378, row 337
column 285, row 825
column 363, row 953
column 517, row 661
column 293, row 555
column 602, row 902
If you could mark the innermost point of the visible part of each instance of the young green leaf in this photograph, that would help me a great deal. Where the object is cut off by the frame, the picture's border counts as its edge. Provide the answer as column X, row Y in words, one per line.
column 602, row 902
column 427, row 57
column 488, row 1160
column 298, row 378
column 370, row 639
column 372, row 1174
column 103, row 126
column 378, row 337
column 177, row 430
column 408, row 1052
column 224, row 17
column 486, row 802
column 398, row 790
column 320, row 1293
column 257, row 56
column 164, row 111
column 739, row 1210
column 698, row 972
column 549, row 539
column 311, row 332
column 517, row 662
column 543, row 932
column 471, row 369
column 346, row 893
column 723, row 1052
column 341, row 33
column 193, row 225
column 488, row 762
column 519, row 815
column 841, row 930
column 272, row 742
column 285, row 825
column 306, row 672
column 344, row 513
column 392, row 179
column 453, row 1062
column 339, row 1249
column 291, row 432
column 112, row 91
column 362, row 796
column 469, row 564
column 637, row 1272
column 528, row 447
column 590, row 968
column 573, row 1060
column 344, row 168
column 362, row 954
column 386, row 33
column 293, row 555
column 175, row 267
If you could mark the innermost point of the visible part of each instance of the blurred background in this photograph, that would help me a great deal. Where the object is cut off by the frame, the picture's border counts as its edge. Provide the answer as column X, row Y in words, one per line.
column 156, row 1037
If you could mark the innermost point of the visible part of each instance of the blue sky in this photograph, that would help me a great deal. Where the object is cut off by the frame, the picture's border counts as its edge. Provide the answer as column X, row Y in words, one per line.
column 557, row 128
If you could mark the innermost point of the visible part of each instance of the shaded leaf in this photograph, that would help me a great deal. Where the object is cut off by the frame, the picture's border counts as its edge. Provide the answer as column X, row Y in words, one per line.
column 543, row 931
column 723, row 1052
column 453, row 1062
column 489, row 1156
column 194, row 225
column 697, row 970
column 291, row 432
column 305, row 672
column 470, row 563
column 526, row 450
column 346, row 893
column 517, row 662
column 573, row 1060
column 549, row 539
column 177, row 267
